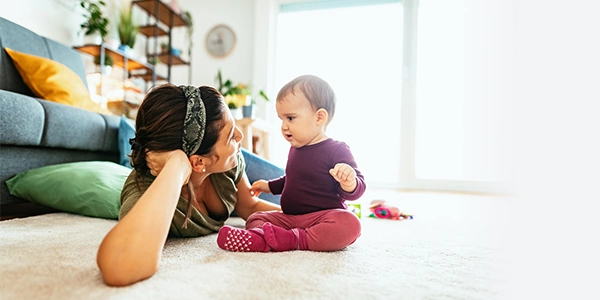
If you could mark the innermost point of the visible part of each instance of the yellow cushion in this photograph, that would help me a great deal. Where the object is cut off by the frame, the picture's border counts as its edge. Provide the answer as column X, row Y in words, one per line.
column 53, row 81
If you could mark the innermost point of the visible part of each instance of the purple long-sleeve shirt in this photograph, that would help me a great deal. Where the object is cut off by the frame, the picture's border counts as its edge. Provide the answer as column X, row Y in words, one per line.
column 307, row 185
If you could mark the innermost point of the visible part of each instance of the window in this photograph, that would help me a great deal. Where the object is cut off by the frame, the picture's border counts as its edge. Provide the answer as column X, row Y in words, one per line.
column 463, row 92
column 358, row 50
column 444, row 66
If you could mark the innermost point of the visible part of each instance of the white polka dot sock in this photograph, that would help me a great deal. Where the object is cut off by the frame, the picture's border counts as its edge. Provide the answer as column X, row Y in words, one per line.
column 239, row 240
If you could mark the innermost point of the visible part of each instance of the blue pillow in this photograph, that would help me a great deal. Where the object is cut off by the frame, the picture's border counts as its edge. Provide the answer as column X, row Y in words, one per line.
column 126, row 132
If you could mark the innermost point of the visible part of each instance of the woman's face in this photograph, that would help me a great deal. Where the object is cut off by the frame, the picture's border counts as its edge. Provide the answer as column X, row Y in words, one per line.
column 227, row 146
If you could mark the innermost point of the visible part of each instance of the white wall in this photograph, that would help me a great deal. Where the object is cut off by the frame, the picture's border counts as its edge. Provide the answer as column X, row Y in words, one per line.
column 557, row 149
column 55, row 19
column 239, row 15
column 60, row 20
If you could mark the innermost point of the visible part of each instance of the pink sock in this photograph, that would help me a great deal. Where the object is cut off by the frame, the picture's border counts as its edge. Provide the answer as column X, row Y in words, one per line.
column 240, row 240
column 280, row 239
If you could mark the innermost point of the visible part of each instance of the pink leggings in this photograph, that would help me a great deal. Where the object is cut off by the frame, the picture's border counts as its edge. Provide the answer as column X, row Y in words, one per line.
column 326, row 230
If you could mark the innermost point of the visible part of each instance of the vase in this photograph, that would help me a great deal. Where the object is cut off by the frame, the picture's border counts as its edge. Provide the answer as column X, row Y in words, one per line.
column 126, row 50
column 92, row 39
column 248, row 111
column 236, row 113
column 174, row 5
column 104, row 70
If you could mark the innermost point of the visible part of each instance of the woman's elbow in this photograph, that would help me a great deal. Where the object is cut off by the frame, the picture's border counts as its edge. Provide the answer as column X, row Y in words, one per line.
column 122, row 277
column 116, row 274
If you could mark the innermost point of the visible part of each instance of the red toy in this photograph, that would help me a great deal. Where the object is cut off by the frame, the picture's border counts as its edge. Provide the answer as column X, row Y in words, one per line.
column 382, row 211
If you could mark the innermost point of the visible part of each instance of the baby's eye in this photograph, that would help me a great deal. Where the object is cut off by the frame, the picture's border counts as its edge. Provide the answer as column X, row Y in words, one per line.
column 290, row 118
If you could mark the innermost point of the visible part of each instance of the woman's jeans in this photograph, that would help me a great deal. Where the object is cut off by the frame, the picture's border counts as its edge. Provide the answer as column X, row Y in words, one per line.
column 259, row 168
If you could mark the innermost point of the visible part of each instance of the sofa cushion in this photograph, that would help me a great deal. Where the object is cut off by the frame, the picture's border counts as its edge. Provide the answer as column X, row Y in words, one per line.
column 33, row 122
column 73, row 128
column 126, row 132
column 21, row 39
column 86, row 188
column 67, row 56
column 22, row 120
column 51, row 80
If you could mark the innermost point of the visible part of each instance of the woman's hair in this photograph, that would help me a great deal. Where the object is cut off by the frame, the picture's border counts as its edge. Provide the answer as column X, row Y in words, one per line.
column 318, row 92
column 159, row 125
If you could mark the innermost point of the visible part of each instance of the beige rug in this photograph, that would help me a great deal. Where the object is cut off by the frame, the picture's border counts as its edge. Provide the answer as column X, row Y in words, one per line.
column 451, row 250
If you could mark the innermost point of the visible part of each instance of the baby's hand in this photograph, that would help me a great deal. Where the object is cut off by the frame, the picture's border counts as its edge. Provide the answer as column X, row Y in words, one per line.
column 345, row 175
column 259, row 186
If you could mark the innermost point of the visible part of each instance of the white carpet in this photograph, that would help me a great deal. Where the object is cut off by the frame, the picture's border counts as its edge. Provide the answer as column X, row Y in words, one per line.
column 451, row 250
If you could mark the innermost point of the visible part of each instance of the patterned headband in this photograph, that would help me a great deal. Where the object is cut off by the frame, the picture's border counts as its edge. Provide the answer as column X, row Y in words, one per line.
column 194, row 124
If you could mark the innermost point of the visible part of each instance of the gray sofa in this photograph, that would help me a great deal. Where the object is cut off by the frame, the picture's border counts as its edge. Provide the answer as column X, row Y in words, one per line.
column 35, row 132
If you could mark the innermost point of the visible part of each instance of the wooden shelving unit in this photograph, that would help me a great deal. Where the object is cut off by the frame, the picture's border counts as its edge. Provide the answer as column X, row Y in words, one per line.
column 120, row 59
column 161, row 20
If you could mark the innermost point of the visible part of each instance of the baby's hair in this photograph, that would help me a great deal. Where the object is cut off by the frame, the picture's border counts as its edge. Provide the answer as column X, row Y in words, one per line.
column 318, row 92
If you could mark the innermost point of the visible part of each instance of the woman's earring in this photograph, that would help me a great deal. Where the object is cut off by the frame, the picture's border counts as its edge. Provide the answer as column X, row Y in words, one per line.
column 204, row 170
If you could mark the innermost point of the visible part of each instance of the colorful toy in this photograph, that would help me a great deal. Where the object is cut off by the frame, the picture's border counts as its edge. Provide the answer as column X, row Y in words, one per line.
column 354, row 208
column 380, row 210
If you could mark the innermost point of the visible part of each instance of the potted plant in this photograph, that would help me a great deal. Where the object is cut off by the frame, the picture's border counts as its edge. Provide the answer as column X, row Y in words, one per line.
column 240, row 94
column 187, row 16
column 248, row 110
column 234, row 108
column 164, row 47
column 95, row 25
column 108, row 63
column 152, row 60
column 127, row 29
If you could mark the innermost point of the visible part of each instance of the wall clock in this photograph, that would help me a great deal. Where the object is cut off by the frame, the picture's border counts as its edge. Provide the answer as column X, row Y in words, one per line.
column 220, row 41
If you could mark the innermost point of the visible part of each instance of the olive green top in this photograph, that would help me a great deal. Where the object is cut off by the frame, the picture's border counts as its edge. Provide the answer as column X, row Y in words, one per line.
column 199, row 223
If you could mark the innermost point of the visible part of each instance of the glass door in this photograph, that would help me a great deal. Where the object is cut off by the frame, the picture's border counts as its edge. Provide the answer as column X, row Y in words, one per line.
column 424, row 87
column 356, row 46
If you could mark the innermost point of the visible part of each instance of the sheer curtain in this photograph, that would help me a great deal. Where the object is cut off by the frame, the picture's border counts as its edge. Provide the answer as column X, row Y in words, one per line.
column 464, row 93
column 424, row 87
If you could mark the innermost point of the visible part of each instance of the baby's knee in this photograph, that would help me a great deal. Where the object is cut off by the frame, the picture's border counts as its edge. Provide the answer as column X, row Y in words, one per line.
column 255, row 220
column 349, row 219
column 349, row 224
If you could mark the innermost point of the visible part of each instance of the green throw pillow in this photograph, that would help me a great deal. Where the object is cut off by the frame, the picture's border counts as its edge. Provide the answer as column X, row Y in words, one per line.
column 91, row 188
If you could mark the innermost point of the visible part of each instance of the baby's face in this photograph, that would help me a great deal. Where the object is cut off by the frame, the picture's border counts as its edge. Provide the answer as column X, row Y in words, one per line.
column 299, row 121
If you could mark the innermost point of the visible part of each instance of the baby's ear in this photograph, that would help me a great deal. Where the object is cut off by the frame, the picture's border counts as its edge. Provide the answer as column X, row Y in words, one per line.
column 322, row 116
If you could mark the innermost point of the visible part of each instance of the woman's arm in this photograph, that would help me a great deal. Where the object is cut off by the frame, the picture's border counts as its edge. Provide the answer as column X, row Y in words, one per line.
column 131, row 251
column 248, row 204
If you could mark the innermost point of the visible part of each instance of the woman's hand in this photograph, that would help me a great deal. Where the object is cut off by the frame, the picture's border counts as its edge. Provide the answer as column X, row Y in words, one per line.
column 156, row 161
column 259, row 186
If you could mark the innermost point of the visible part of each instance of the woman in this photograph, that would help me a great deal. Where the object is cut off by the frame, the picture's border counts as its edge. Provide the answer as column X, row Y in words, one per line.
column 184, row 135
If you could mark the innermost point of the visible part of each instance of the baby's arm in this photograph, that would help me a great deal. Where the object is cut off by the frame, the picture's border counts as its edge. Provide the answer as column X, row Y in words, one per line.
column 247, row 203
column 346, row 172
column 260, row 186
